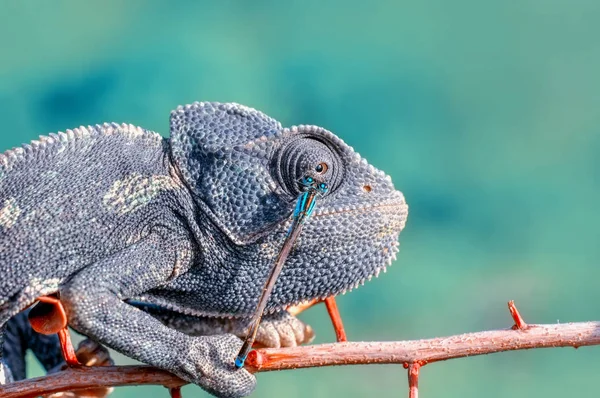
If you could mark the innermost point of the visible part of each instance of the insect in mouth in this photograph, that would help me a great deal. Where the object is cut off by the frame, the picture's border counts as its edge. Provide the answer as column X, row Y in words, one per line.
column 304, row 207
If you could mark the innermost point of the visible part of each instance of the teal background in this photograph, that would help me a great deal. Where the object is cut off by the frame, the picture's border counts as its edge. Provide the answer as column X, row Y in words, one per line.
column 485, row 114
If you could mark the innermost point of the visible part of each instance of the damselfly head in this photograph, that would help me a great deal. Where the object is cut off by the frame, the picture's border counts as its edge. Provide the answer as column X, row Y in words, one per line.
column 308, row 183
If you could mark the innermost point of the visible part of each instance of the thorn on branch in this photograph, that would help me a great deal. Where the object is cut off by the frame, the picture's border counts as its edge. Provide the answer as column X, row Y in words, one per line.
column 413, row 379
column 175, row 392
column 516, row 316
column 332, row 310
column 256, row 359
column 336, row 319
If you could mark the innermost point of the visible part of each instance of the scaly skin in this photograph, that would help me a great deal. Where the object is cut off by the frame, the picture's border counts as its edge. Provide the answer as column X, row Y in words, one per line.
column 112, row 215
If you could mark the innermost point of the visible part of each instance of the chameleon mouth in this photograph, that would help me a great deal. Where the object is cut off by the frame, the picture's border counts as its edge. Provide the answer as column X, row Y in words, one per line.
column 395, row 202
column 357, row 209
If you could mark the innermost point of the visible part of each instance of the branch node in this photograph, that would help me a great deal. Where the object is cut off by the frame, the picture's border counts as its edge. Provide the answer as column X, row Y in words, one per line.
column 520, row 324
column 255, row 360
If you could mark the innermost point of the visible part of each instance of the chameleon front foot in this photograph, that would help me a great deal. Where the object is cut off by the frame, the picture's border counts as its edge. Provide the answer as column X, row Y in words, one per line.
column 207, row 362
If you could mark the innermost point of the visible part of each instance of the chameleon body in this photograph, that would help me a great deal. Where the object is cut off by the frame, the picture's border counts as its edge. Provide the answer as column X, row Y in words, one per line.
column 120, row 222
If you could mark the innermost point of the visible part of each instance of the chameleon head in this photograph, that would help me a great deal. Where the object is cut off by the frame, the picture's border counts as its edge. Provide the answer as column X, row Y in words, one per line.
column 246, row 174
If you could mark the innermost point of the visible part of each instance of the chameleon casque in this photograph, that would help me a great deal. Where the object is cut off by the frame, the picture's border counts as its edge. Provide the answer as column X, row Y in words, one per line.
column 128, row 226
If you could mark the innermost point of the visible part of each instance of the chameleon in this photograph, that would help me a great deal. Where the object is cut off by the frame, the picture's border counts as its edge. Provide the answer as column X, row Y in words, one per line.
column 159, row 247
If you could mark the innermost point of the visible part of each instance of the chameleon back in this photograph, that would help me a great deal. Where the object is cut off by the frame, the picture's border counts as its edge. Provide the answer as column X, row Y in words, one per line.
column 62, row 201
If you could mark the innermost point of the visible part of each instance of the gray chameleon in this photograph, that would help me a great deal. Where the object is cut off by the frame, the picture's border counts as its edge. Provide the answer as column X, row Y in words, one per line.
column 121, row 222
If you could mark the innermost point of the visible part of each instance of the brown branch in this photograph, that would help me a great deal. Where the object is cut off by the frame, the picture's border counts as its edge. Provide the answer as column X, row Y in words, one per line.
column 84, row 378
column 420, row 352
column 426, row 351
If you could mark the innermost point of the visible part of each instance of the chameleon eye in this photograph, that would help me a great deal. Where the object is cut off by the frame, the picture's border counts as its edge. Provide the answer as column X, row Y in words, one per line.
column 322, row 168
column 303, row 156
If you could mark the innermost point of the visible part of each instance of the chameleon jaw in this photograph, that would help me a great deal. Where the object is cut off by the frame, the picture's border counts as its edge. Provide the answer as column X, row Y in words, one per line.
column 302, row 303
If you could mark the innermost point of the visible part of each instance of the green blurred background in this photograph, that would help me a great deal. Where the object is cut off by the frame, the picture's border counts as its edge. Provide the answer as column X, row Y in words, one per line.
column 485, row 113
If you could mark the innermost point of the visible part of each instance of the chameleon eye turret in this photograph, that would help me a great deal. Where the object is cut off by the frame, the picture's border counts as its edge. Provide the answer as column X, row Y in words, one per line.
column 306, row 158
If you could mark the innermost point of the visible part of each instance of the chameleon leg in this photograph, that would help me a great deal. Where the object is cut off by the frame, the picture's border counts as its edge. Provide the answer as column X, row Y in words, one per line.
column 94, row 301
